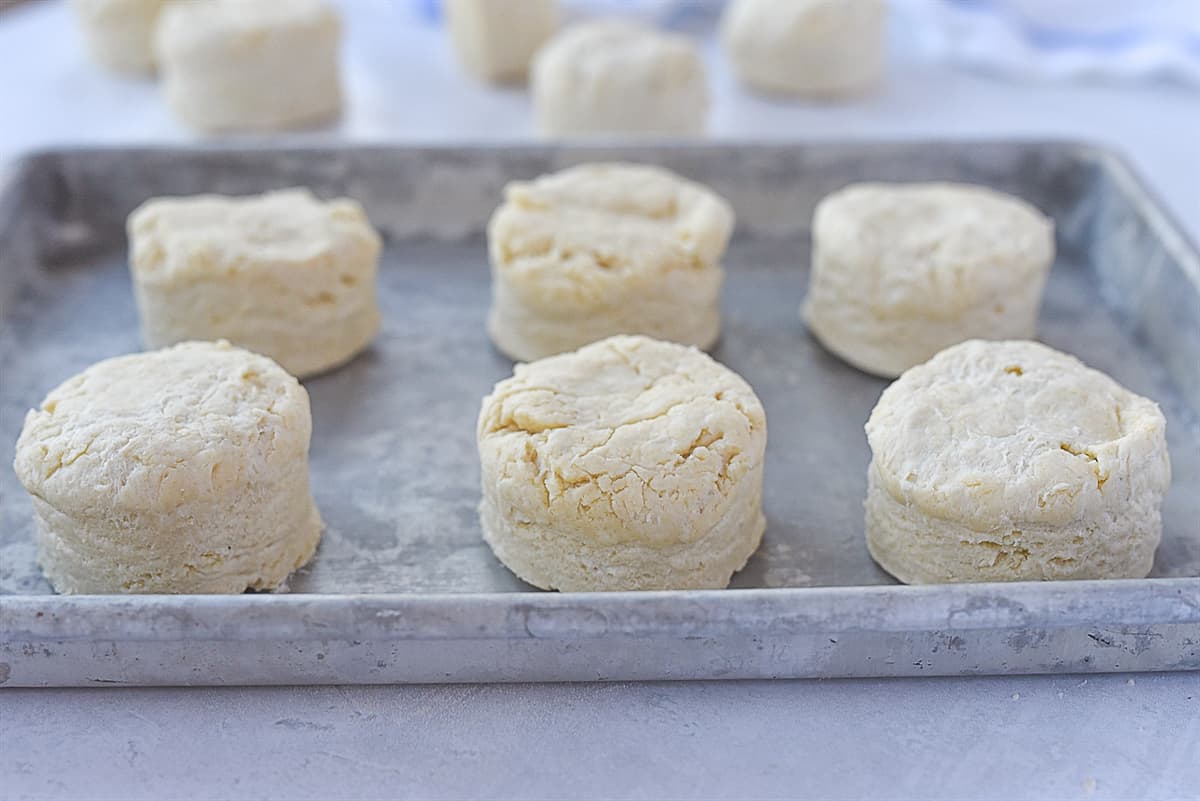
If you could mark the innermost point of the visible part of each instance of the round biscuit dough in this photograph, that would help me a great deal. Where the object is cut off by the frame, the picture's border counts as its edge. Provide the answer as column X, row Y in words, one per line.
column 604, row 249
column 183, row 470
column 902, row 271
column 619, row 77
column 630, row 464
column 250, row 65
column 282, row 274
column 815, row 48
column 120, row 33
column 495, row 39
column 1011, row 461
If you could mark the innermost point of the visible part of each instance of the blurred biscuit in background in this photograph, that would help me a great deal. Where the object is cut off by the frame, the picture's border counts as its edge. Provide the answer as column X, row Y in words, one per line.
column 119, row 33
column 812, row 48
column 619, row 77
column 496, row 39
column 251, row 65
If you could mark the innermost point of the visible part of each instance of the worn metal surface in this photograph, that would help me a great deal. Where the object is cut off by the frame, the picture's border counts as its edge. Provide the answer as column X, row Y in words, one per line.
column 402, row 587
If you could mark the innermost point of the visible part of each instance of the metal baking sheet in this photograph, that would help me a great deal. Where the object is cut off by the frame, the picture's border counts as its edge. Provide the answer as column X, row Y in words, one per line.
column 403, row 589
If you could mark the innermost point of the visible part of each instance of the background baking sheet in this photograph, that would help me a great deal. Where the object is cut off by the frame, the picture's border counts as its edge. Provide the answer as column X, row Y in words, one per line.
column 393, row 457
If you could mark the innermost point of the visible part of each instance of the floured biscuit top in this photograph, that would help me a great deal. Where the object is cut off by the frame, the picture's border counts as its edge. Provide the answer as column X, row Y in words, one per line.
column 933, row 250
column 152, row 431
column 630, row 439
column 992, row 431
column 179, row 238
column 574, row 233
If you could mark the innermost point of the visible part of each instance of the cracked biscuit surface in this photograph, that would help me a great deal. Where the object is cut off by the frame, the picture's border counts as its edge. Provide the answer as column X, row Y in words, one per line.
column 901, row 271
column 1003, row 461
column 603, row 249
column 178, row 470
column 630, row 464
column 282, row 274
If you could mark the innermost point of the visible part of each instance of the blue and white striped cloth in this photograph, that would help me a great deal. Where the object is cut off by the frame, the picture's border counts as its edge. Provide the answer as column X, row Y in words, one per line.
column 1060, row 39
column 1035, row 39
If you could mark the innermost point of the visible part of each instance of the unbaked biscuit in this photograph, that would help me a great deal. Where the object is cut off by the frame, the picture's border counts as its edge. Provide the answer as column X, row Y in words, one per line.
column 813, row 48
column 255, row 65
column 496, row 39
column 120, row 33
column 901, row 271
column 181, row 470
column 630, row 464
column 1009, row 461
column 616, row 76
column 604, row 249
column 283, row 274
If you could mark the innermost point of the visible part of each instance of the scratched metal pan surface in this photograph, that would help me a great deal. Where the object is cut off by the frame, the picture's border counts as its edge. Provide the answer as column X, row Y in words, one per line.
column 403, row 589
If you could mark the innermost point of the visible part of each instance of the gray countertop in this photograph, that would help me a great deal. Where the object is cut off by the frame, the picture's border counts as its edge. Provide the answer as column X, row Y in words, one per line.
column 1066, row 737
column 1053, row 737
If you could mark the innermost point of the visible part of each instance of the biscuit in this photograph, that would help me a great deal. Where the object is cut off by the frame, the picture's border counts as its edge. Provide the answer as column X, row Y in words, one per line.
column 495, row 39
column 630, row 464
column 250, row 65
column 616, row 76
column 902, row 271
column 1011, row 461
column 814, row 48
column 119, row 33
column 178, row 471
column 283, row 274
column 604, row 249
